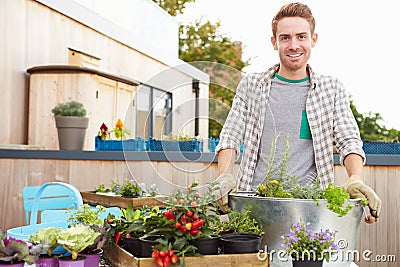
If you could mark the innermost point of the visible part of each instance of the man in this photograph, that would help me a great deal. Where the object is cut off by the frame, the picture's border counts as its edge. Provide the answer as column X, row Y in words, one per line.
column 292, row 100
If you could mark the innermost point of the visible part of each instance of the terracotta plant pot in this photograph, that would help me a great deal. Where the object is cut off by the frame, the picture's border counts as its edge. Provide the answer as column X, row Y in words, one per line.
column 240, row 243
column 67, row 261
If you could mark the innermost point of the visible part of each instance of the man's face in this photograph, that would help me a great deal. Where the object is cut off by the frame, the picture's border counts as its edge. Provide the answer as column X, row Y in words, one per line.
column 293, row 42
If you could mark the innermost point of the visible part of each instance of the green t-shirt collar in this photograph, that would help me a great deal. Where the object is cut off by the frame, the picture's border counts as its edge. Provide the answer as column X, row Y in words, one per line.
column 290, row 81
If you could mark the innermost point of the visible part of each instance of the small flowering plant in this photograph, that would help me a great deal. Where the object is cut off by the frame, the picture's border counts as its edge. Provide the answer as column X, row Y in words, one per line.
column 302, row 243
column 120, row 131
column 104, row 134
column 13, row 250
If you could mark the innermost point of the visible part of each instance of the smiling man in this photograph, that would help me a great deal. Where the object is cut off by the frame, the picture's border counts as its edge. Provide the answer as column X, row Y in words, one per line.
column 291, row 101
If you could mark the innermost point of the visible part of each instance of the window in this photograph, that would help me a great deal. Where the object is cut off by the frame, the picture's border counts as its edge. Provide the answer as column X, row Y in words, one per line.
column 153, row 112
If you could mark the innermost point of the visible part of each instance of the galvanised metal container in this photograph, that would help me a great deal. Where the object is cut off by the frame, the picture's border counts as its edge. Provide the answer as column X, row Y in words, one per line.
column 277, row 214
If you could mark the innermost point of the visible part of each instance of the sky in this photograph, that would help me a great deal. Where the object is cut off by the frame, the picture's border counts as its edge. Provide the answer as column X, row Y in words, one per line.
column 358, row 43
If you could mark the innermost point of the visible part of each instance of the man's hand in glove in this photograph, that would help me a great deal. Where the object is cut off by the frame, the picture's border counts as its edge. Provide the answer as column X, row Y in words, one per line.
column 221, row 187
column 357, row 189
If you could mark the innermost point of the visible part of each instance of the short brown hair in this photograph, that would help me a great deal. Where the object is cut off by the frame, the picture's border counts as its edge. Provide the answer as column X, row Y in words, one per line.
column 294, row 10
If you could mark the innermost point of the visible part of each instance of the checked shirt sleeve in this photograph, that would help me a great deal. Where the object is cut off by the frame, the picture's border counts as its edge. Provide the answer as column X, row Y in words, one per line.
column 346, row 132
column 232, row 133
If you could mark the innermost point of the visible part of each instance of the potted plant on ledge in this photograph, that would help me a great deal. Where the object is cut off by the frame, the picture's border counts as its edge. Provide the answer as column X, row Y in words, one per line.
column 71, row 125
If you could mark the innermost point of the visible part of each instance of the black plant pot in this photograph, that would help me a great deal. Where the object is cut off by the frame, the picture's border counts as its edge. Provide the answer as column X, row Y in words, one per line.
column 307, row 263
column 146, row 245
column 133, row 246
column 240, row 243
column 130, row 195
column 208, row 245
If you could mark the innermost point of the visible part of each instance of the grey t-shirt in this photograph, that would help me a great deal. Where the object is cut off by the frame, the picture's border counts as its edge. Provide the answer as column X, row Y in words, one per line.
column 285, row 116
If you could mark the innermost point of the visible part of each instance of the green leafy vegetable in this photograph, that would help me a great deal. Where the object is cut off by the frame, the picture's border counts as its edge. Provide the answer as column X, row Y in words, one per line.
column 336, row 197
column 77, row 238
column 47, row 235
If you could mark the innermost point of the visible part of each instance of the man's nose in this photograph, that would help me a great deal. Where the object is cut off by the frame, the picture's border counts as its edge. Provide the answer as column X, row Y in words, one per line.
column 293, row 44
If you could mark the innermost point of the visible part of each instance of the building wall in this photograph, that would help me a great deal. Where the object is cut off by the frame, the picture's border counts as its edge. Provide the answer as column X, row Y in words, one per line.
column 41, row 35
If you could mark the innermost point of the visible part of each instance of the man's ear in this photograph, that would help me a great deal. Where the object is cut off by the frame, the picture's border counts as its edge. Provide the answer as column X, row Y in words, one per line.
column 314, row 39
column 273, row 42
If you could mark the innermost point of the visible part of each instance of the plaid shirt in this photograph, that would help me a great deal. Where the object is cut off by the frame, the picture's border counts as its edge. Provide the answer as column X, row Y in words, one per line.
column 329, row 116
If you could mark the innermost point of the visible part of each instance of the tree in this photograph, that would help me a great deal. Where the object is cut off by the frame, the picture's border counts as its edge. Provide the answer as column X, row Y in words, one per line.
column 371, row 128
column 202, row 45
column 173, row 7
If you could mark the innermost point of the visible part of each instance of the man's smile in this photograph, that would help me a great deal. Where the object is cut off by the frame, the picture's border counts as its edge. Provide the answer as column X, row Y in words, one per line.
column 295, row 55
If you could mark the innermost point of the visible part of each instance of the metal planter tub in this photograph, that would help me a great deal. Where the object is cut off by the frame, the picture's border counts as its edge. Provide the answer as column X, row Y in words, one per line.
column 277, row 214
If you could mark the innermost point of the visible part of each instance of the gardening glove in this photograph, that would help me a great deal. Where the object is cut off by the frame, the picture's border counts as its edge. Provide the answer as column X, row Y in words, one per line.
column 224, row 185
column 357, row 189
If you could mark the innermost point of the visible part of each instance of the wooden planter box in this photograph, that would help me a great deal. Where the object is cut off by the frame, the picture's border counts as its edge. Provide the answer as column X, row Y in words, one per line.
column 118, row 257
column 92, row 198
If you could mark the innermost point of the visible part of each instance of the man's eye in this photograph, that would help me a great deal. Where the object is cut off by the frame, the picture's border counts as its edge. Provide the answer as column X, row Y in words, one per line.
column 284, row 38
column 302, row 37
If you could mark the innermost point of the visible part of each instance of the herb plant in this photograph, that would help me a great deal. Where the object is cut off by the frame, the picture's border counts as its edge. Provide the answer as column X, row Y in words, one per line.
column 238, row 222
column 280, row 184
column 86, row 215
column 71, row 108
column 130, row 188
column 336, row 197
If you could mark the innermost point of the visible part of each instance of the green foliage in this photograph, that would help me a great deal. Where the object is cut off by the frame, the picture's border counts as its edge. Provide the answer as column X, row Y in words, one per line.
column 310, row 191
column 86, row 215
column 101, row 188
column 337, row 196
column 47, row 235
column 202, row 45
column 76, row 238
column 71, row 108
column 130, row 188
column 371, row 128
column 173, row 7
column 238, row 222
column 279, row 183
column 364, row 201
column 14, row 250
column 277, row 176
